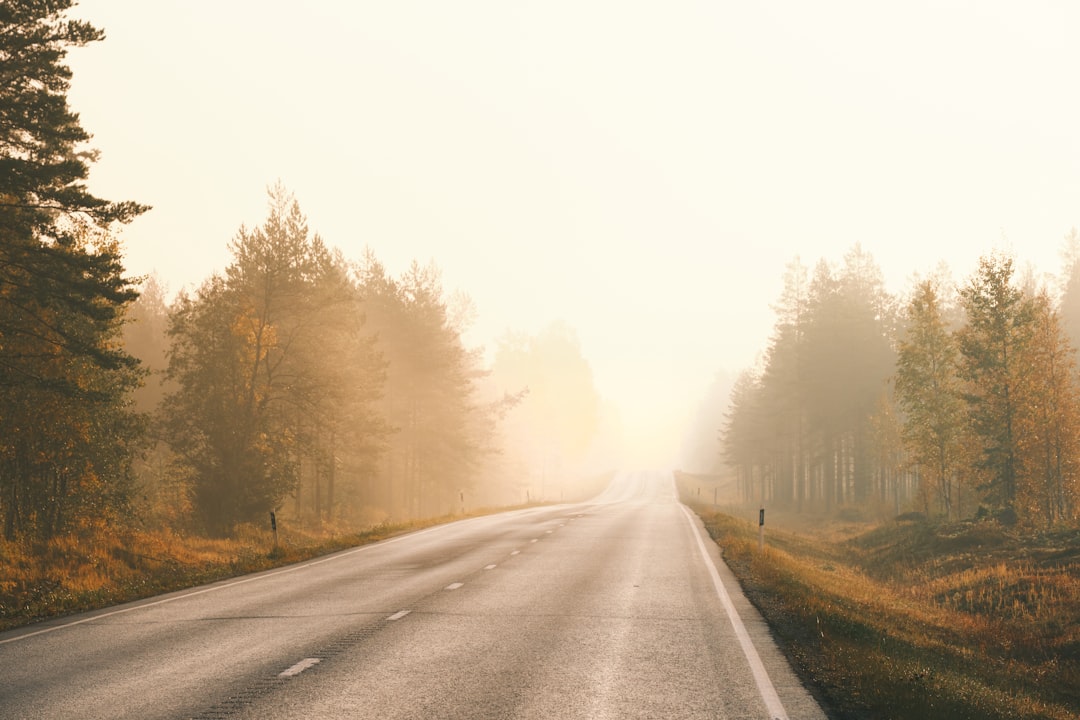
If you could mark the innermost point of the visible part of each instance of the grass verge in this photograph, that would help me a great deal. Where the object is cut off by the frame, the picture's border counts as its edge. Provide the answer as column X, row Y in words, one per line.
column 99, row 567
column 908, row 620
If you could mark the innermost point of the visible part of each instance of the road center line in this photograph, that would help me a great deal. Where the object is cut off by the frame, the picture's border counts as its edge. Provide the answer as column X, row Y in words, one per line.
column 761, row 676
column 399, row 614
column 299, row 667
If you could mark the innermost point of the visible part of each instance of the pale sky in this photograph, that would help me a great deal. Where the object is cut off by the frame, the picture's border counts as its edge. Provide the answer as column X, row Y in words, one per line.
column 642, row 171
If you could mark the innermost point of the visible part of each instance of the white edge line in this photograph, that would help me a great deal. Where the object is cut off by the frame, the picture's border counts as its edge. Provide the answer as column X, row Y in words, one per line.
column 761, row 677
column 214, row 588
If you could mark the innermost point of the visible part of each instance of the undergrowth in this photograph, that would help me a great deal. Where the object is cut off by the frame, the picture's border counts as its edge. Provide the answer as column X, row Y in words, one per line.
column 99, row 567
column 905, row 620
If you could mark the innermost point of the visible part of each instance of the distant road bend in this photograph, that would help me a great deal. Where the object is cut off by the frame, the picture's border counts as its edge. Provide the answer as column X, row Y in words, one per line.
column 615, row 608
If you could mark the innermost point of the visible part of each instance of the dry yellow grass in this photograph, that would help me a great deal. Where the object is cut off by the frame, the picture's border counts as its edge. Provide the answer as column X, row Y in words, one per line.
column 97, row 566
column 905, row 621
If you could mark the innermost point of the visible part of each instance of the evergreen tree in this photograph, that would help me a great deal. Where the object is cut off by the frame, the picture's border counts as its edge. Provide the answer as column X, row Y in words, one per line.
column 43, row 165
column 440, row 430
column 993, row 345
column 68, row 436
column 271, row 372
column 928, row 389
column 847, row 358
column 784, row 394
column 744, row 433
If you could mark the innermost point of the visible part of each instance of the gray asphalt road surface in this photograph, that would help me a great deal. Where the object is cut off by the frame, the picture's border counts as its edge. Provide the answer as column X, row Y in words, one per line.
column 616, row 608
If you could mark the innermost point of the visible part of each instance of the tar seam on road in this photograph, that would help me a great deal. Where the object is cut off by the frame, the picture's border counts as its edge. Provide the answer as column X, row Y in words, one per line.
column 761, row 677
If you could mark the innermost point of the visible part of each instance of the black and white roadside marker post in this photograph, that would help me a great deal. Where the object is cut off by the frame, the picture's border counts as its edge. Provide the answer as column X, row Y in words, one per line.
column 761, row 530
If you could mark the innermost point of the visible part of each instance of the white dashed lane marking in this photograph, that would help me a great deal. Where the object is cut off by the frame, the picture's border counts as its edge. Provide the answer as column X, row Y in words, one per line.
column 299, row 667
column 399, row 614
column 490, row 567
column 454, row 586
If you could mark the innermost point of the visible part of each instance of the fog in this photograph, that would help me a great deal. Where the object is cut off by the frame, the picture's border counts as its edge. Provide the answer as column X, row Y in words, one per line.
column 639, row 172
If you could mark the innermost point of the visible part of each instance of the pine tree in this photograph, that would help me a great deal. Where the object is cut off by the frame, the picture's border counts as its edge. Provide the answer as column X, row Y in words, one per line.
column 272, row 374
column 440, row 431
column 64, row 377
column 43, row 165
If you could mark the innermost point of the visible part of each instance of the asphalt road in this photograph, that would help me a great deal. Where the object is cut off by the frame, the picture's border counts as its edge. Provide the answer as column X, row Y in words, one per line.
column 617, row 608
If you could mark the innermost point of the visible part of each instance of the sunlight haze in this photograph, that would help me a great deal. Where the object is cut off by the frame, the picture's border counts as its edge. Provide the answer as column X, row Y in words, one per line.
column 640, row 171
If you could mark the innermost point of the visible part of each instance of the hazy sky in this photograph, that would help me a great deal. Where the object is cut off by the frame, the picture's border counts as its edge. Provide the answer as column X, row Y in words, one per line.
column 642, row 171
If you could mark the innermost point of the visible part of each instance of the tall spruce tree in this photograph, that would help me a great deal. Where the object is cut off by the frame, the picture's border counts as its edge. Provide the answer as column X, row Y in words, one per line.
column 993, row 346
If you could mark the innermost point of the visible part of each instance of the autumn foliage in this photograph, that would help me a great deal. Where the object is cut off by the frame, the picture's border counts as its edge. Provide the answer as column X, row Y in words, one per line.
column 959, row 402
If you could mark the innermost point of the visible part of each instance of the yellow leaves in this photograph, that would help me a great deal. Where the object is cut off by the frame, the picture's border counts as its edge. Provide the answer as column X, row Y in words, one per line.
column 257, row 335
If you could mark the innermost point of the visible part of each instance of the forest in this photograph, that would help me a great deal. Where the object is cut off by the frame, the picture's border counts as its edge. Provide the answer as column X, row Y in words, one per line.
column 296, row 381
column 959, row 400
column 327, row 389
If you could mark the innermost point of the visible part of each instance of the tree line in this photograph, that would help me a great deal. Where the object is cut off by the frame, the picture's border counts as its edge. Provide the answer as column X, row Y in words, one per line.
column 296, row 380
column 957, row 400
column 299, row 381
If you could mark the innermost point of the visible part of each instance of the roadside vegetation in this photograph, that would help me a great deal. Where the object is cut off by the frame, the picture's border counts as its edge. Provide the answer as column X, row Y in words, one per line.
column 96, row 567
column 93, row 569
column 905, row 620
